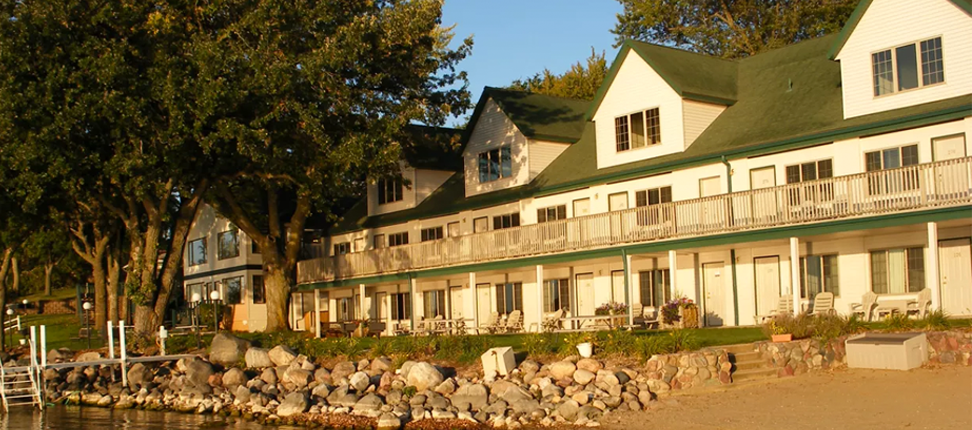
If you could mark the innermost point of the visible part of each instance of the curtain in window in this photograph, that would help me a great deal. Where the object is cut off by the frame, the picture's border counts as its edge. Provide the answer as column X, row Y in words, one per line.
column 879, row 272
column 896, row 271
column 916, row 269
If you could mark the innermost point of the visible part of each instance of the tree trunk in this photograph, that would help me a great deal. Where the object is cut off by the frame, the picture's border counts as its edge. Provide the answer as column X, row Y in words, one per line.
column 277, row 283
column 114, row 277
column 15, row 268
column 101, row 302
column 4, row 267
column 48, row 269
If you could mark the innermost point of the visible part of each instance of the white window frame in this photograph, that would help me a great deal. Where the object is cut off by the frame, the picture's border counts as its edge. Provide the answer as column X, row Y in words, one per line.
column 649, row 139
column 918, row 64
column 397, row 190
column 499, row 175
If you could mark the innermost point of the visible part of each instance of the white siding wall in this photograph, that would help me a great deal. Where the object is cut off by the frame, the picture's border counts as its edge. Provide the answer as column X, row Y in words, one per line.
column 891, row 23
column 209, row 224
column 494, row 129
column 427, row 181
column 542, row 154
column 408, row 200
column 637, row 87
column 698, row 116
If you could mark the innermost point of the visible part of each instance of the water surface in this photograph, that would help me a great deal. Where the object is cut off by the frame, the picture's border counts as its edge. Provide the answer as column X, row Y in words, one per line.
column 75, row 417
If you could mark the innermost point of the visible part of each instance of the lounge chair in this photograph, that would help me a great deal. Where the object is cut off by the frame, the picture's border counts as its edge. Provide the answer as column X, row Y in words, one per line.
column 823, row 303
column 551, row 321
column 784, row 306
column 646, row 317
column 514, row 323
column 866, row 307
column 421, row 328
column 921, row 304
column 492, row 323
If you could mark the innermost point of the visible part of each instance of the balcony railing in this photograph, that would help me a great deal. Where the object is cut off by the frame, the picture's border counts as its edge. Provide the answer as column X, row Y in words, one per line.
column 943, row 183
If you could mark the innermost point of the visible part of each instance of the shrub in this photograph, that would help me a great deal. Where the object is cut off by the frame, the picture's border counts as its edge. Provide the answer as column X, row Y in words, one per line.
column 898, row 322
column 647, row 346
column 934, row 320
column 382, row 347
column 538, row 344
column 682, row 340
column 617, row 342
column 571, row 340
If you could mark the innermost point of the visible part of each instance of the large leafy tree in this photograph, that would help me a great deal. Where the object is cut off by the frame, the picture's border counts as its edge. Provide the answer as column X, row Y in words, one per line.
column 580, row 82
column 730, row 28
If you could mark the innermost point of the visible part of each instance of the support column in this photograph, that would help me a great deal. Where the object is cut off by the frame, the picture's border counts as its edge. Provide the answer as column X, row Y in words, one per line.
column 672, row 272
column 332, row 310
column 934, row 280
column 474, row 298
column 627, row 286
column 448, row 300
column 795, row 273
column 361, row 304
column 539, row 298
column 412, row 287
column 317, row 312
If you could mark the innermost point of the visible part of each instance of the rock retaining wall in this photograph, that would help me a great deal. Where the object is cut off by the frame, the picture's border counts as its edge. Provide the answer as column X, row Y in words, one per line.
column 688, row 370
column 950, row 347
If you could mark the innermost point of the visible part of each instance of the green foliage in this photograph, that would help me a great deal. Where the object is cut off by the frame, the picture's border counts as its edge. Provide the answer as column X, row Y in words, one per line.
column 570, row 341
column 823, row 327
column 617, row 342
column 464, row 348
column 682, row 340
column 898, row 322
column 647, row 346
column 539, row 344
column 730, row 29
column 382, row 347
column 580, row 82
column 935, row 320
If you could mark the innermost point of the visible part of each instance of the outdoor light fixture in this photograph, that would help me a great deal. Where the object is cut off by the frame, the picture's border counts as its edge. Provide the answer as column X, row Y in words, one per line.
column 86, row 306
column 195, row 298
column 87, row 328
column 214, row 296
column 10, row 312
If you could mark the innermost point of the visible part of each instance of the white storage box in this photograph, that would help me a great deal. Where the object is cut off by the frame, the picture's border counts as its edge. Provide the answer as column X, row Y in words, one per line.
column 499, row 360
column 896, row 351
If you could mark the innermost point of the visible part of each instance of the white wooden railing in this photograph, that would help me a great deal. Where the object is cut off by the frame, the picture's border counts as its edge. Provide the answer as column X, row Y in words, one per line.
column 939, row 184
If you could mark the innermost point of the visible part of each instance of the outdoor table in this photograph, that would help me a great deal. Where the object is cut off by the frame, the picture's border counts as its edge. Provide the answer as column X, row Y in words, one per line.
column 577, row 323
column 892, row 306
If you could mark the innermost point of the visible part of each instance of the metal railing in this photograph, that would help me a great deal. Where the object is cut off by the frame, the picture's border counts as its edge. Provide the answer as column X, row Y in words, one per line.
column 930, row 185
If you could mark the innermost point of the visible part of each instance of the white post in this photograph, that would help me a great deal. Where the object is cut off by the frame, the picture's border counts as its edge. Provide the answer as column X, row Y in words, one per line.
column 672, row 272
column 448, row 301
column 33, row 346
column 795, row 273
column 18, row 323
column 934, row 279
column 124, row 353
column 629, row 289
column 317, row 313
column 539, row 298
column 162, row 336
column 412, row 291
column 111, row 340
column 43, row 341
column 361, row 305
column 474, row 297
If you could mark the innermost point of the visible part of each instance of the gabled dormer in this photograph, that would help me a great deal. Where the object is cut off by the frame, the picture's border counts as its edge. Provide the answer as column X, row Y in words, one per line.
column 514, row 135
column 895, row 54
column 431, row 157
column 657, row 100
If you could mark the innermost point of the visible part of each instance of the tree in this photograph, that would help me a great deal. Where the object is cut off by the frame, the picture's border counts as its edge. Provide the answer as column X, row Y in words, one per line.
column 580, row 82
column 300, row 112
column 48, row 245
column 730, row 28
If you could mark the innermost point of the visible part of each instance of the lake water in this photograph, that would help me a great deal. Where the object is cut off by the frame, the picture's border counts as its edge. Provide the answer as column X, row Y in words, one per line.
column 75, row 417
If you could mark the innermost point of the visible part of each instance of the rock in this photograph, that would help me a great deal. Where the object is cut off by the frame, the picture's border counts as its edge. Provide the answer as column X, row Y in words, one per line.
column 441, row 414
column 282, row 355
column 296, row 377
column 87, row 356
column 388, row 421
column 589, row 413
column 227, row 349
column 446, row 387
column 529, row 366
column 613, row 401
column 562, row 370
column 138, row 375
column 198, row 373
column 234, row 377
column 381, row 364
column 438, row 402
column 417, row 400
column 60, row 354
column 342, row 370
column 583, row 376
column 581, row 397
column 294, row 403
column 322, row 376
column 568, row 410
column 242, row 394
column 424, row 376
column 257, row 358
column 589, row 364
column 552, row 390
column 370, row 402
column 394, row 397
column 321, row 390
column 340, row 396
column 606, row 377
column 269, row 376
column 360, row 381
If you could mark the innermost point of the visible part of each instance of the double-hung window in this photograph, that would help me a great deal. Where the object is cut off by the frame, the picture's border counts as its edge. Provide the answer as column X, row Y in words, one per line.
column 509, row 297
column 401, row 306
column 197, row 252
column 434, row 303
column 652, row 197
column 898, row 271
column 259, row 290
column 229, row 244
column 506, row 221
column 810, row 171
column 390, row 190
column 552, row 213
column 654, row 285
column 556, row 295
column 398, row 239
column 378, row 241
column 637, row 130
column 892, row 158
column 233, row 290
column 342, row 248
column 907, row 67
column 495, row 164
column 818, row 274
column 433, row 233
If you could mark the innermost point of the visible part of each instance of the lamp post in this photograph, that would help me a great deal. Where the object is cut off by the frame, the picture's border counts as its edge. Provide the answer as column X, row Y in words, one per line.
column 194, row 315
column 214, row 296
column 87, row 329
column 25, row 305
column 10, row 313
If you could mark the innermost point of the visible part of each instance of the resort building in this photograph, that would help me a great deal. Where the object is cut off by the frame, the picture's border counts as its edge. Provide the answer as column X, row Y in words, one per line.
column 838, row 164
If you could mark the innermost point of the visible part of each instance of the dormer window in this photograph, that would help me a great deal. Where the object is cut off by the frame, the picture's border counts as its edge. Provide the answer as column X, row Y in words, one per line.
column 637, row 130
column 898, row 69
column 495, row 164
column 390, row 190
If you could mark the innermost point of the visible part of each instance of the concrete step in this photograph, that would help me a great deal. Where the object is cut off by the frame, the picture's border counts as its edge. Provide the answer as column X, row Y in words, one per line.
column 739, row 349
column 744, row 356
column 749, row 365
column 753, row 374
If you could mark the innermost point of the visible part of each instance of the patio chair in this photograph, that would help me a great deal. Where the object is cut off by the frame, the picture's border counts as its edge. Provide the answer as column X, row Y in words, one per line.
column 784, row 306
column 514, row 323
column 823, row 303
column 866, row 307
column 438, row 324
column 921, row 304
column 646, row 317
column 491, row 323
column 551, row 321
column 421, row 328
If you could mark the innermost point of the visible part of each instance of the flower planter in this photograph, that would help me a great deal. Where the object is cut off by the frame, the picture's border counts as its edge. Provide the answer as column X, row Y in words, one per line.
column 689, row 316
column 586, row 349
column 782, row 337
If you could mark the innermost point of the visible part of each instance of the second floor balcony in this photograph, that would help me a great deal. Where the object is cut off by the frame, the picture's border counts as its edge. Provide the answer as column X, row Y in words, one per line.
column 923, row 186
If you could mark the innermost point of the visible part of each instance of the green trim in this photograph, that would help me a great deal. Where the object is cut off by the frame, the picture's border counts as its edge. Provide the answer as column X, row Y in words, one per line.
column 855, row 18
column 829, row 227
column 608, row 81
column 735, row 288
column 222, row 271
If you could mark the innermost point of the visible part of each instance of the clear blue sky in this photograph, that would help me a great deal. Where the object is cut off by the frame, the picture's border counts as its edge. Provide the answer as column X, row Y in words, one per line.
column 516, row 39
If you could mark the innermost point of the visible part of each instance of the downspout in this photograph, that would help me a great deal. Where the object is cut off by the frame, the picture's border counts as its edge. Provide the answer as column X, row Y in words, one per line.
column 411, row 301
column 732, row 251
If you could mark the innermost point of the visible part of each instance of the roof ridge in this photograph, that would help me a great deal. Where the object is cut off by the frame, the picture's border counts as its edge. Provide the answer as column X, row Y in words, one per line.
column 789, row 45
column 488, row 88
column 672, row 48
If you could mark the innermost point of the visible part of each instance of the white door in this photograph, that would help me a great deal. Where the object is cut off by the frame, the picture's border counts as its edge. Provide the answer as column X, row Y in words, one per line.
column 764, row 203
column 359, row 244
column 711, row 216
column 955, row 264
column 456, row 302
column 579, row 234
column 715, row 293
column 949, row 147
column 484, row 302
column 582, row 207
column 585, row 294
column 617, row 202
column 951, row 180
column 617, row 286
column 382, row 299
column 480, row 225
column 767, row 284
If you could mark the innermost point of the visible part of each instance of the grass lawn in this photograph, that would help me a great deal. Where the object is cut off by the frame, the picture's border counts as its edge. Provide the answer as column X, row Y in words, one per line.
column 62, row 331
column 58, row 294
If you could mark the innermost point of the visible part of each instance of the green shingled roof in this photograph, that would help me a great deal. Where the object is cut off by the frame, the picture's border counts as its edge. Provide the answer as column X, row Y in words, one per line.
column 433, row 148
column 786, row 98
column 537, row 116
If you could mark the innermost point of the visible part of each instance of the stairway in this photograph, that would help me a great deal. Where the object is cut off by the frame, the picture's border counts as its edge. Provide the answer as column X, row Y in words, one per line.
column 747, row 365
column 19, row 387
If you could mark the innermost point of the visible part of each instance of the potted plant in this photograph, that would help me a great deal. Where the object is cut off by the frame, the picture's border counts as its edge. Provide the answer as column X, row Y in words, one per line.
column 613, row 308
column 583, row 342
column 680, row 312
column 779, row 332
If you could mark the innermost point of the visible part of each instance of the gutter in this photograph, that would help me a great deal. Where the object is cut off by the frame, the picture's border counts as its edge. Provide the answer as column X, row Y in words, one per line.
column 732, row 251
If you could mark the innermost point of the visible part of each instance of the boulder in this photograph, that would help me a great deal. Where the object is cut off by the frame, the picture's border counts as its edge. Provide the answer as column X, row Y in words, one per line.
column 424, row 376
column 60, row 354
column 589, row 364
column 568, row 410
column 322, row 376
column 321, row 391
column 282, row 355
column 446, row 387
column 294, row 403
column 198, row 373
column 296, row 377
column 529, row 366
column 370, row 402
column 360, row 381
column 87, row 356
column 583, row 377
column 138, row 375
column 242, row 394
column 342, row 370
column 257, row 358
column 381, row 364
column 234, row 377
column 269, row 376
column 227, row 349
column 562, row 370
column 607, row 378
column 388, row 421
